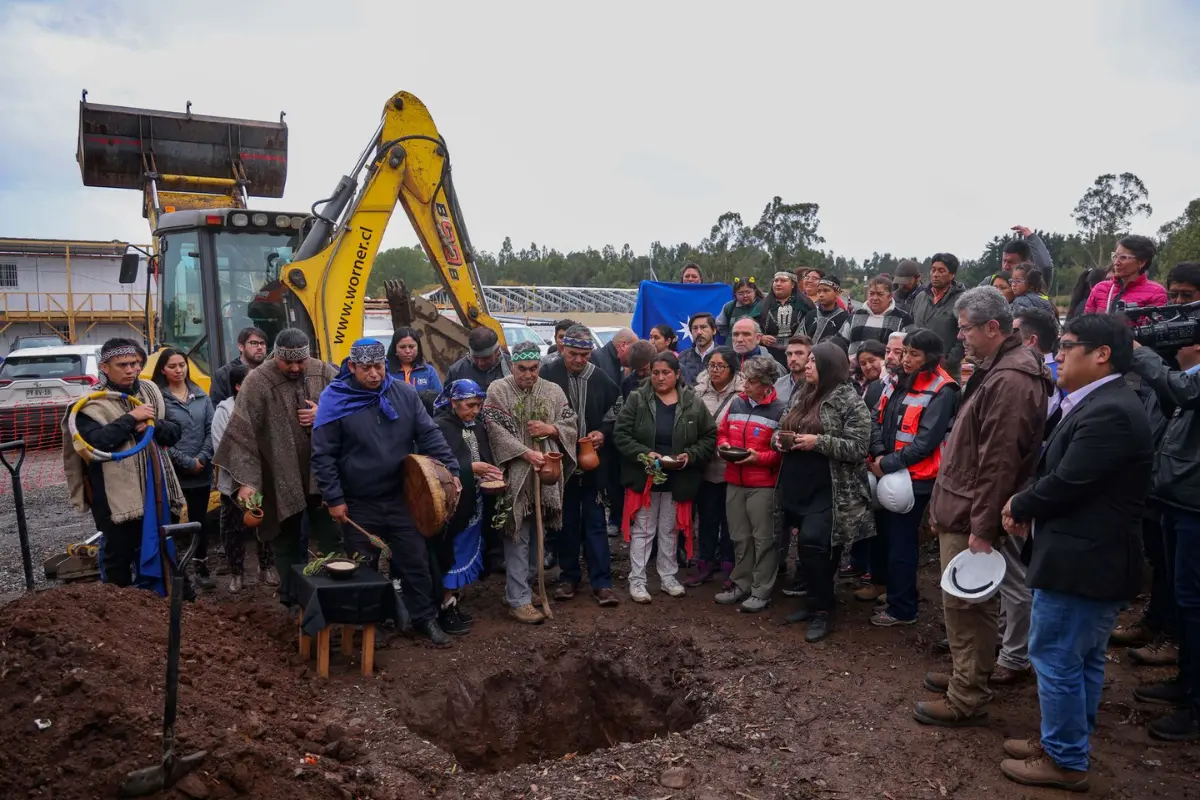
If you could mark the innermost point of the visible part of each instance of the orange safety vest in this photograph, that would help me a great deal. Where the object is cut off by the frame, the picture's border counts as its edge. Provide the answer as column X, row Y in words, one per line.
column 915, row 402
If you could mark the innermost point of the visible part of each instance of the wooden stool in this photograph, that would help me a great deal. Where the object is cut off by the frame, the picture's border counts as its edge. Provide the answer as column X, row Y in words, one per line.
column 323, row 637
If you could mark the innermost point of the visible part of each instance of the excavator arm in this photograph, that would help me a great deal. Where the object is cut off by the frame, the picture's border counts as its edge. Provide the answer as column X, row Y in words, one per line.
column 406, row 162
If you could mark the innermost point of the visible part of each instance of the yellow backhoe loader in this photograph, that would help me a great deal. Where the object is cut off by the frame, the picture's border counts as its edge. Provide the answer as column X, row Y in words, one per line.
column 222, row 265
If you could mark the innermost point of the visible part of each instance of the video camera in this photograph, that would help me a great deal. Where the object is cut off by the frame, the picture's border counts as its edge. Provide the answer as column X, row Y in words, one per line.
column 1164, row 327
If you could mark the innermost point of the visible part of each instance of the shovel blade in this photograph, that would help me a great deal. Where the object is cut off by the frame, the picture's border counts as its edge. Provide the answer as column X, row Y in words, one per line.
column 147, row 781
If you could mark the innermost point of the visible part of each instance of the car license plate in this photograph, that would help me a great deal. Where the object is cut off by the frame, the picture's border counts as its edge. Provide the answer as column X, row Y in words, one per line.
column 37, row 392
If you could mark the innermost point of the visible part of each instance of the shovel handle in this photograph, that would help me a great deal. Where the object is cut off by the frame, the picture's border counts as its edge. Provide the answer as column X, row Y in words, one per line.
column 17, row 444
column 185, row 557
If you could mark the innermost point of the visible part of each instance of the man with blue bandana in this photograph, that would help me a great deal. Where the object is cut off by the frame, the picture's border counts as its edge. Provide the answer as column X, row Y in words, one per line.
column 367, row 423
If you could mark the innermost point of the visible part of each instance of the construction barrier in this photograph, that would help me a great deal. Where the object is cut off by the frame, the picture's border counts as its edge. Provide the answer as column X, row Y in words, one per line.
column 40, row 425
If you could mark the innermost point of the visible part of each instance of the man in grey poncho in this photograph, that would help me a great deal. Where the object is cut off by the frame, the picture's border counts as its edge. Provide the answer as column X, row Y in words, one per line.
column 525, row 417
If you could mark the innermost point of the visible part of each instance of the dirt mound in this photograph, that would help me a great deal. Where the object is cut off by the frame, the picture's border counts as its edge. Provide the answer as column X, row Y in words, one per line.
column 90, row 659
column 587, row 696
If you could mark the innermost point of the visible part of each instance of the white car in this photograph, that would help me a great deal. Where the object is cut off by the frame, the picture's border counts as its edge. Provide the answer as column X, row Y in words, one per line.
column 515, row 333
column 38, row 383
column 604, row 334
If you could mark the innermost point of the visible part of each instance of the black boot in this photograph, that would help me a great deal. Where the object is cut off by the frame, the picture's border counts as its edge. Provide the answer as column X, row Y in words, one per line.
column 450, row 622
column 1167, row 693
column 202, row 578
column 819, row 625
column 433, row 632
column 1178, row 727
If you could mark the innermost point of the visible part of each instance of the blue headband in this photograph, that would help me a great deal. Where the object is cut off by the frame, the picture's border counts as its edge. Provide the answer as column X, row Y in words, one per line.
column 368, row 351
column 461, row 389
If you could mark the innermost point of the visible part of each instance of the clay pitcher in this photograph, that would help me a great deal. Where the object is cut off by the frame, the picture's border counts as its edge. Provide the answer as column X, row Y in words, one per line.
column 252, row 517
column 588, row 459
column 551, row 471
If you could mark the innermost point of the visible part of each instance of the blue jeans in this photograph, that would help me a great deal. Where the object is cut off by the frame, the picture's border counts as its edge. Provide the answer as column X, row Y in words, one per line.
column 583, row 528
column 903, row 542
column 1185, row 528
column 1067, row 639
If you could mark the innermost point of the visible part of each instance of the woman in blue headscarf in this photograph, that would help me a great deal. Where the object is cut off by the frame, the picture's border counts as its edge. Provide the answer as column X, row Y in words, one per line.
column 458, row 553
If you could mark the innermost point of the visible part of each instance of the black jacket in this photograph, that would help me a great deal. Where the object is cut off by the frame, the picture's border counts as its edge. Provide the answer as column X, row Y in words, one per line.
column 1087, row 500
column 452, row 429
column 359, row 457
column 602, row 396
column 1177, row 462
column 608, row 361
column 931, row 432
column 465, row 368
column 219, row 387
column 826, row 326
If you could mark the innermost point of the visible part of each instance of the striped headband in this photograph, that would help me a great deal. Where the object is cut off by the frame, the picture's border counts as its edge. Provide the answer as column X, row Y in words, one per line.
column 579, row 344
column 118, row 351
column 526, row 351
column 291, row 353
column 367, row 351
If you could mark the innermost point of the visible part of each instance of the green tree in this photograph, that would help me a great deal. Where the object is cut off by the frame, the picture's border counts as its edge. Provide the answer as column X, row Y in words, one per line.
column 409, row 264
column 1106, row 210
column 1180, row 239
column 785, row 230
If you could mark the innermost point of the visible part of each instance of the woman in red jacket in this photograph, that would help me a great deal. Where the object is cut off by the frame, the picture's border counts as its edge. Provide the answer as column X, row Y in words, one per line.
column 750, row 486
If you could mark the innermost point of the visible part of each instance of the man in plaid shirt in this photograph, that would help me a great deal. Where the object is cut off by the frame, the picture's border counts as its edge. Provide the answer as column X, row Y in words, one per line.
column 878, row 319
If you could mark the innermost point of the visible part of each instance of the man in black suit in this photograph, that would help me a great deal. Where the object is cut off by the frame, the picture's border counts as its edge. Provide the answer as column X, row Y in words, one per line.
column 1084, row 511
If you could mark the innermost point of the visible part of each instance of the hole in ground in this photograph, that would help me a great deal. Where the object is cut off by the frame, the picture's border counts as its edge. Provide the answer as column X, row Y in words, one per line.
column 575, row 702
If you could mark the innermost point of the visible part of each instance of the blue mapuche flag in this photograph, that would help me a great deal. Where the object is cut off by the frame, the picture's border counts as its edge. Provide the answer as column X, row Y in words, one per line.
column 674, row 304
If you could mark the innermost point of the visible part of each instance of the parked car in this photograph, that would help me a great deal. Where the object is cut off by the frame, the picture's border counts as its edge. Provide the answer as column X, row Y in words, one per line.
column 36, row 386
column 603, row 334
column 515, row 333
column 41, row 340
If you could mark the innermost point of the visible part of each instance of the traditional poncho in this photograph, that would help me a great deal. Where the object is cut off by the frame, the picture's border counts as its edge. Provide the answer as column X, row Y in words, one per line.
column 507, row 412
column 265, row 446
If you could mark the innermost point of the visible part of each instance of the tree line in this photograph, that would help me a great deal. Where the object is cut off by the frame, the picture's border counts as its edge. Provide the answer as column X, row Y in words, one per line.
column 786, row 236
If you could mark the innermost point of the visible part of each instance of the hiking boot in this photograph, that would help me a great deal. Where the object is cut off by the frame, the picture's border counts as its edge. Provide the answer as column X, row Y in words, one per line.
column 607, row 598
column 430, row 630
column 1022, row 749
column 937, row 682
column 527, row 614
column 672, row 587
column 1162, row 652
column 1135, row 635
column 564, row 591
column 702, row 575
column 268, row 576
column 731, row 596
column 1180, row 726
column 819, row 626
column 638, row 594
column 450, row 622
column 201, row 577
column 1042, row 771
column 1003, row 676
column 235, row 584
column 882, row 619
column 798, row 587
column 940, row 712
column 753, row 605
column 870, row 593
column 797, row 616
column 1166, row 693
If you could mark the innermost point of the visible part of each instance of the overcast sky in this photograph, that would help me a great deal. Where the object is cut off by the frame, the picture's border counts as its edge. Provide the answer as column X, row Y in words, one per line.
column 917, row 127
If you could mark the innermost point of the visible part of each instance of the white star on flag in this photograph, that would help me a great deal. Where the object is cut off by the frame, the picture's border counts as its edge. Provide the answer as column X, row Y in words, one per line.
column 683, row 331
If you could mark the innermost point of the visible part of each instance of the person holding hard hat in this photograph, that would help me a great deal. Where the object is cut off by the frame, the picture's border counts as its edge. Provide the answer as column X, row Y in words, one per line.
column 908, row 432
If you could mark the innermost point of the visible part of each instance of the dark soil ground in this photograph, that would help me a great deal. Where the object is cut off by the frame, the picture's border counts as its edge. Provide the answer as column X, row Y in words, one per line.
column 681, row 699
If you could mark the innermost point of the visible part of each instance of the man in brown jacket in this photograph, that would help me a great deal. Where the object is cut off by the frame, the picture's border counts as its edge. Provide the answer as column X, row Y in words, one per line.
column 991, row 454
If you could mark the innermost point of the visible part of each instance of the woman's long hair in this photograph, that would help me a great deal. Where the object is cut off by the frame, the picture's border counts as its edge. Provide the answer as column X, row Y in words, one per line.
column 393, row 360
column 668, row 333
column 1083, row 288
column 833, row 369
column 165, row 355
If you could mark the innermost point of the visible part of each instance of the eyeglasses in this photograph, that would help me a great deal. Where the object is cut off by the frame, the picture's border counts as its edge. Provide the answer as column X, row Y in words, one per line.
column 965, row 328
column 714, row 366
column 1016, row 281
column 1123, row 257
column 1077, row 343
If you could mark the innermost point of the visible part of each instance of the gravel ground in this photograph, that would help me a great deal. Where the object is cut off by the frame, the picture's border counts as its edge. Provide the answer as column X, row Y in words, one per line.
column 52, row 524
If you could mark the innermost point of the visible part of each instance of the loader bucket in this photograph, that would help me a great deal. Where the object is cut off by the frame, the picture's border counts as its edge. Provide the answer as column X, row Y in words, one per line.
column 114, row 139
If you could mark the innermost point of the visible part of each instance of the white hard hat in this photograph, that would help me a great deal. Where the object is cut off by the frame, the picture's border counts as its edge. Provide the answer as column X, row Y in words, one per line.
column 974, row 577
column 895, row 492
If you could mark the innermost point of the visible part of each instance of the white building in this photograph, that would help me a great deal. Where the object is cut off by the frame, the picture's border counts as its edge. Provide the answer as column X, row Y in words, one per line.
column 70, row 288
